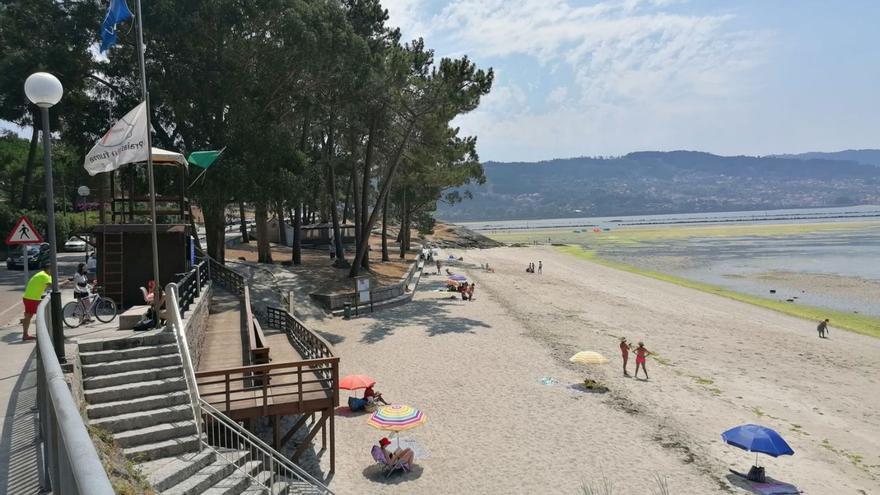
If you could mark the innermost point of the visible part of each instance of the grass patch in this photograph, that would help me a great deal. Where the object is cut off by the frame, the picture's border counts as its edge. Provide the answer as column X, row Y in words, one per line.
column 863, row 324
column 123, row 474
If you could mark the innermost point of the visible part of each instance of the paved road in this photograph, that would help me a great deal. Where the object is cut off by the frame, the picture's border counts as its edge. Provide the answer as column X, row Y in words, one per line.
column 18, row 454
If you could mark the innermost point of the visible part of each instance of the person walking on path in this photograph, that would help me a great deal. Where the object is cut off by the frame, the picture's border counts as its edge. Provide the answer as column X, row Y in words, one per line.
column 641, row 353
column 36, row 286
column 624, row 353
column 823, row 328
column 540, row 266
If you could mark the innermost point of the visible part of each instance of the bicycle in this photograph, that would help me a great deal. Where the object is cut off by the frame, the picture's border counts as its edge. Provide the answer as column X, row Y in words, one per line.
column 103, row 308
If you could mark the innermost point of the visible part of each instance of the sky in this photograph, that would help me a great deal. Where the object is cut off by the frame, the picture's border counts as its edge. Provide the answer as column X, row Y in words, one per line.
column 608, row 77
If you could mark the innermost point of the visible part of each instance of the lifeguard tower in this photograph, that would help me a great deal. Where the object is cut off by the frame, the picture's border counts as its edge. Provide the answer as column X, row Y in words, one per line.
column 122, row 240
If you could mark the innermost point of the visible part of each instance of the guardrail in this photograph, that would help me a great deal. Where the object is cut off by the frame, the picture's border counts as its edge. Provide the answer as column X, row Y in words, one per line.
column 70, row 463
column 309, row 344
column 228, row 279
column 291, row 383
column 258, row 351
column 234, row 439
column 189, row 371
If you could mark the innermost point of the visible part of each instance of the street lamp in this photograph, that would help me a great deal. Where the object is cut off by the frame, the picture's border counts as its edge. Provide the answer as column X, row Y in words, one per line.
column 44, row 90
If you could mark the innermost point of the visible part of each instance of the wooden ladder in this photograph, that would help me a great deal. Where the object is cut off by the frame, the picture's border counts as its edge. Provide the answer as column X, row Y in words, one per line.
column 111, row 267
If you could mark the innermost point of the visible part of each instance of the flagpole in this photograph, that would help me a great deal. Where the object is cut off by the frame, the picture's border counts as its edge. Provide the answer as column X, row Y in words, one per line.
column 141, row 49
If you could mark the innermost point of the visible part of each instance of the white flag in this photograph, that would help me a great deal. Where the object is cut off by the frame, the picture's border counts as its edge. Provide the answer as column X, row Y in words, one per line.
column 125, row 142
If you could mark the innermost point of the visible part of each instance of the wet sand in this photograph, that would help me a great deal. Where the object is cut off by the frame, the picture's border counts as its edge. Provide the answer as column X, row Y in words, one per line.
column 476, row 369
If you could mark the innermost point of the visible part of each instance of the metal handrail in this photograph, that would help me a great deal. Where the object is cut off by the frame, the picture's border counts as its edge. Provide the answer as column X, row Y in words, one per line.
column 70, row 462
column 229, row 433
column 183, row 348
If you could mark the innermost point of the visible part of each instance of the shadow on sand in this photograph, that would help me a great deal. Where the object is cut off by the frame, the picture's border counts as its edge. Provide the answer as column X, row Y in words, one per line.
column 376, row 474
column 771, row 486
column 430, row 314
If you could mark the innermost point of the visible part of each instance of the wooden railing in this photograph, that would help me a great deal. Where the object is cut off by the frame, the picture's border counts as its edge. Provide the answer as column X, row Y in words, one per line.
column 309, row 344
column 257, row 346
column 294, row 382
column 228, row 279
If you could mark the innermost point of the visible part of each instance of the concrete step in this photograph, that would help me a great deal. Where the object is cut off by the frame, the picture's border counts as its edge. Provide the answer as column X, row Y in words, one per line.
column 128, row 377
column 123, row 354
column 134, row 390
column 98, row 411
column 145, row 419
column 209, row 476
column 263, row 480
column 155, row 433
column 126, row 365
column 237, row 481
column 149, row 338
column 165, row 448
column 166, row 472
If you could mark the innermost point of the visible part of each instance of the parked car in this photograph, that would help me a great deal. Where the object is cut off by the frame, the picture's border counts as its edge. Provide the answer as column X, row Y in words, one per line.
column 75, row 244
column 16, row 261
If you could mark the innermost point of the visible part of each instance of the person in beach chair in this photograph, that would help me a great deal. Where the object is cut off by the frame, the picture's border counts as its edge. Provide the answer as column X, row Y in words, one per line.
column 392, row 461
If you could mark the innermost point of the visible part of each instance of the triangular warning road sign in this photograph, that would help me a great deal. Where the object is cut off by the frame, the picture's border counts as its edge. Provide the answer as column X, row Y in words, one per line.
column 23, row 233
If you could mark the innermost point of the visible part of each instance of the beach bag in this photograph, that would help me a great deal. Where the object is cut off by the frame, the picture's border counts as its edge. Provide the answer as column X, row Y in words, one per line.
column 356, row 404
column 756, row 474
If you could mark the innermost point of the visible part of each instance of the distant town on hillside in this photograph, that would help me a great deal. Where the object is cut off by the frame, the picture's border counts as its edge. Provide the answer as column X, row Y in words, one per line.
column 668, row 182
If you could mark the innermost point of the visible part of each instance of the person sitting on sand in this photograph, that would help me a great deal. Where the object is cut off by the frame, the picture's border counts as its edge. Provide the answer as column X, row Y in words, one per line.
column 624, row 352
column 405, row 456
column 370, row 394
column 823, row 328
column 641, row 353
column 463, row 289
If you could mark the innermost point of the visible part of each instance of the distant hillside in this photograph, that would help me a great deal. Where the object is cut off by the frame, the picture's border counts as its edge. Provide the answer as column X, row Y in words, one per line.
column 868, row 157
column 664, row 182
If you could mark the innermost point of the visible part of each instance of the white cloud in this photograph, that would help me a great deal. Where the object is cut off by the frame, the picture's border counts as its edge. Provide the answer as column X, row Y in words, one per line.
column 619, row 72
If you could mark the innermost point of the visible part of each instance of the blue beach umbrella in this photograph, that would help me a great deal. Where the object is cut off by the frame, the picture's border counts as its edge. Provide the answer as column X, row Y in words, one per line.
column 759, row 439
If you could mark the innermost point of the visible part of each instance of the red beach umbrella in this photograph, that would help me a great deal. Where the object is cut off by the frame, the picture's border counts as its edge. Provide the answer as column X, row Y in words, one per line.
column 355, row 382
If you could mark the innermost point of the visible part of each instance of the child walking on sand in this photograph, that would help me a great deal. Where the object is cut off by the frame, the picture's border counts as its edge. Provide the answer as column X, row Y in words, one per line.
column 641, row 353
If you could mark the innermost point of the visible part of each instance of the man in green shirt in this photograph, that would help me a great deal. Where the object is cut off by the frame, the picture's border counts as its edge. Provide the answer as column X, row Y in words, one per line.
column 34, row 291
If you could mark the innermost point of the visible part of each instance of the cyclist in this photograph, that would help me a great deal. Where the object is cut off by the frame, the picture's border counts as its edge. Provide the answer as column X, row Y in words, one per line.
column 81, row 289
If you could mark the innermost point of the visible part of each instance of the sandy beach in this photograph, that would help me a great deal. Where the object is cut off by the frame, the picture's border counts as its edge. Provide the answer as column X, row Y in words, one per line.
column 493, row 377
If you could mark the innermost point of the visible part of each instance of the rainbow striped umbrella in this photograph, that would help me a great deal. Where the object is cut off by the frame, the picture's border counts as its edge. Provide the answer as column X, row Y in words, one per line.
column 397, row 417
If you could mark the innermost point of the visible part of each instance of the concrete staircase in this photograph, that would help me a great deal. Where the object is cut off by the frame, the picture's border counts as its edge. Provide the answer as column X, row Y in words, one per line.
column 135, row 389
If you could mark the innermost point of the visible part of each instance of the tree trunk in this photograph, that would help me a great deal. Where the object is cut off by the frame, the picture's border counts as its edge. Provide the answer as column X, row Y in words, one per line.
column 334, row 213
column 29, row 166
column 297, row 234
column 383, row 192
column 282, row 230
column 245, row 238
column 347, row 199
column 404, row 225
column 385, row 230
column 365, row 193
column 215, row 231
column 355, row 194
column 264, row 249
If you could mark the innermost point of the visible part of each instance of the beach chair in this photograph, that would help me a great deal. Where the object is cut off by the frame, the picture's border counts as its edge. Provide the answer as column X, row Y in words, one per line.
column 387, row 468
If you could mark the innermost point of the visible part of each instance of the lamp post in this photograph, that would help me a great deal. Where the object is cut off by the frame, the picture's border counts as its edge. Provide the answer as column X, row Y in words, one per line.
column 44, row 90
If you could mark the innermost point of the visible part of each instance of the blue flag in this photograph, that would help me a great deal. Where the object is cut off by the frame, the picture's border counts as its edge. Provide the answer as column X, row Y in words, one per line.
column 117, row 13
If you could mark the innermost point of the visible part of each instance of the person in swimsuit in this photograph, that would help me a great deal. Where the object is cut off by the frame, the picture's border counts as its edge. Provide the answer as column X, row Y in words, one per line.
column 369, row 393
column 823, row 328
column 405, row 456
column 624, row 353
column 641, row 353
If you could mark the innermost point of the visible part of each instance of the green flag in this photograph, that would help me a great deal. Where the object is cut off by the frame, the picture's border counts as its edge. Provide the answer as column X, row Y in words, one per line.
column 204, row 159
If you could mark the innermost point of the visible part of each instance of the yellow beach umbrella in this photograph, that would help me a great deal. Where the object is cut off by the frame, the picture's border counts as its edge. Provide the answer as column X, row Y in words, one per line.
column 588, row 357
